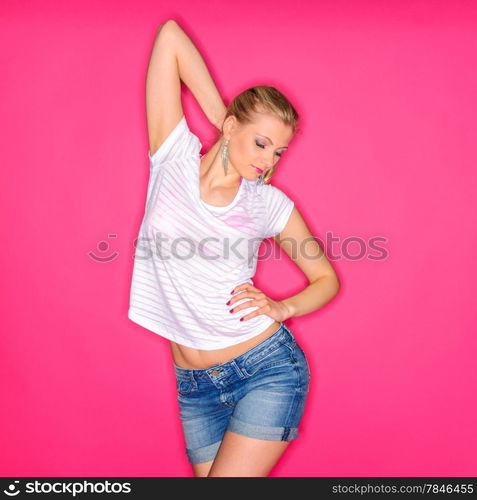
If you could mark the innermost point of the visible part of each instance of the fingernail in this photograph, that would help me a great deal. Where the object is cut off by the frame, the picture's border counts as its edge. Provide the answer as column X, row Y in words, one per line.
column 241, row 319
column 232, row 291
column 228, row 303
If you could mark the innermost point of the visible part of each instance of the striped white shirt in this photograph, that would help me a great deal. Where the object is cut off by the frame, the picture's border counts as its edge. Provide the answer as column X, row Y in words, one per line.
column 190, row 255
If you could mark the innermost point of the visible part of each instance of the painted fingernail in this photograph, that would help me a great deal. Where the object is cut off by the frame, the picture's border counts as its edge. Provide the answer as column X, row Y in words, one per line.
column 228, row 303
column 231, row 311
column 232, row 291
column 241, row 319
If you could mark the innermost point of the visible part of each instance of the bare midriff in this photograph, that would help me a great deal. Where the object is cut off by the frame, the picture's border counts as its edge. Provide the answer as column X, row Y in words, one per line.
column 197, row 359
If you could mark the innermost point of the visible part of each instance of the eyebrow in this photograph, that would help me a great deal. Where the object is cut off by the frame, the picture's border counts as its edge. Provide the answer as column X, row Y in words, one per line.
column 283, row 147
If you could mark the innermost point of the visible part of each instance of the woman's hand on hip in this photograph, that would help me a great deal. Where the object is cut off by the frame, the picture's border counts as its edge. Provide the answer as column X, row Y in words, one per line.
column 272, row 308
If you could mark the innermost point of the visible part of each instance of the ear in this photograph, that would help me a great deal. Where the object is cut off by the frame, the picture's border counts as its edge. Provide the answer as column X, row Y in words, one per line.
column 229, row 126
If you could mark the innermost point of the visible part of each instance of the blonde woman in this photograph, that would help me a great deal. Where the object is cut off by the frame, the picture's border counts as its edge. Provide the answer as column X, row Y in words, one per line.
column 242, row 378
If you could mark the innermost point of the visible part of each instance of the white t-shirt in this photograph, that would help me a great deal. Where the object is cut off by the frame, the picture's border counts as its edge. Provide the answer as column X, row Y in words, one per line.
column 190, row 255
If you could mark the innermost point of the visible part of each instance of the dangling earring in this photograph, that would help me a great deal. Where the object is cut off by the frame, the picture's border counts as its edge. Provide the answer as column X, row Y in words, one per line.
column 260, row 179
column 225, row 153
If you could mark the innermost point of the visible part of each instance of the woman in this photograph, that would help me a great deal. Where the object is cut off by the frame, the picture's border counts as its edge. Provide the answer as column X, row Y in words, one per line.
column 242, row 379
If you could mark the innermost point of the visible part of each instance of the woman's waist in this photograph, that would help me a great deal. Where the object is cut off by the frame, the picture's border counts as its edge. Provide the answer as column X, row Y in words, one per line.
column 191, row 358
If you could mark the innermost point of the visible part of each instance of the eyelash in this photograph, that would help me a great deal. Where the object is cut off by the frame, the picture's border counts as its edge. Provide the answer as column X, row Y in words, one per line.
column 263, row 145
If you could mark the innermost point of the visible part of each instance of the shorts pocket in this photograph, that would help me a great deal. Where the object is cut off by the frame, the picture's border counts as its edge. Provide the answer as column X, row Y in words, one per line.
column 302, row 367
column 183, row 386
column 281, row 355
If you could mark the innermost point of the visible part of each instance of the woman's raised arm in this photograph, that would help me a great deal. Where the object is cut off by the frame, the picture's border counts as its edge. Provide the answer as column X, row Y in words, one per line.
column 174, row 58
column 163, row 88
column 195, row 74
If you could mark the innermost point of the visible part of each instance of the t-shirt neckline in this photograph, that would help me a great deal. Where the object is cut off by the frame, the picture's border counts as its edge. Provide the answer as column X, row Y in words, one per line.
column 214, row 207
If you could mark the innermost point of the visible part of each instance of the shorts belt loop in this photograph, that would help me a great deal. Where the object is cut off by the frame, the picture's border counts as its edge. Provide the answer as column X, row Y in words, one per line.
column 237, row 369
column 193, row 381
column 289, row 333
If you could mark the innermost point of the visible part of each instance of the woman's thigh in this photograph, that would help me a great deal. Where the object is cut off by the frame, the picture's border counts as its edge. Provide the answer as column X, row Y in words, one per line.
column 242, row 456
column 202, row 469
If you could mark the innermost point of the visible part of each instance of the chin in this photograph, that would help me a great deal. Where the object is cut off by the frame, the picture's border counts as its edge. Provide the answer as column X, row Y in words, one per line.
column 250, row 174
column 250, row 177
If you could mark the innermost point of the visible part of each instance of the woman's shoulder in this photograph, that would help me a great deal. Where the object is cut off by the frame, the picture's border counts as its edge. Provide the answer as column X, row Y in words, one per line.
column 180, row 143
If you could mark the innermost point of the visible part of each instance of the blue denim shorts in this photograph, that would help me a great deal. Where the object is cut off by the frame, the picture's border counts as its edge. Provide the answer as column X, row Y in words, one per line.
column 260, row 394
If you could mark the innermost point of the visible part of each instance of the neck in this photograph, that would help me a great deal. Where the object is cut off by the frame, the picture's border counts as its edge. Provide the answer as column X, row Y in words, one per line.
column 212, row 173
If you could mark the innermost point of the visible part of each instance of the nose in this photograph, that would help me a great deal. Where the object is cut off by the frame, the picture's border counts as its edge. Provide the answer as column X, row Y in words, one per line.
column 269, row 161
column 266, row 165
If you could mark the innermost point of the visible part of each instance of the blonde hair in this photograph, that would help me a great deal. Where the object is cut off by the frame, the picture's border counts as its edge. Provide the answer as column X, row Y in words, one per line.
column 263, row 99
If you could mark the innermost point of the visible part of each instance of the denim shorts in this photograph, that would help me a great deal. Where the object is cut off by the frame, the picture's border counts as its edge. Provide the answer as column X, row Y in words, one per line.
column 260, row 394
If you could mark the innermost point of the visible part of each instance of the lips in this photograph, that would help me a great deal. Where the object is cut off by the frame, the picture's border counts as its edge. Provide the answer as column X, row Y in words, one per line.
column 259, row 170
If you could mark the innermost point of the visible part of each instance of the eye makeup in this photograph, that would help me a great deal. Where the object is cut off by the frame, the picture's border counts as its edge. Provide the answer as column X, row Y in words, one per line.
column 268, row 139
column 263, row 146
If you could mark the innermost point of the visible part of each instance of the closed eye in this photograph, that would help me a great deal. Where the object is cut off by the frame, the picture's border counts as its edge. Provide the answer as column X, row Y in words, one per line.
column 263, row 146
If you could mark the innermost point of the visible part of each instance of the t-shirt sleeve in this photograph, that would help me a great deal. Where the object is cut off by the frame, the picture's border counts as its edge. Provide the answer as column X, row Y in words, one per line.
column 278, row 208
column 180, row 143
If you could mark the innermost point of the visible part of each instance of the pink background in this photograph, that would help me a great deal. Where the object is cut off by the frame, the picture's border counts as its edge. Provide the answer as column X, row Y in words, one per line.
column 385, row 165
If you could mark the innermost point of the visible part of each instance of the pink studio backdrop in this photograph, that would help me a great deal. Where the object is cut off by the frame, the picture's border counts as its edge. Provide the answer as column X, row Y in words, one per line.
column 382, row 172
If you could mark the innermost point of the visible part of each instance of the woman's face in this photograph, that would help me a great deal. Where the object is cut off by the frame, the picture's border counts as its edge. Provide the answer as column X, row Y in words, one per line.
column 256, row 145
